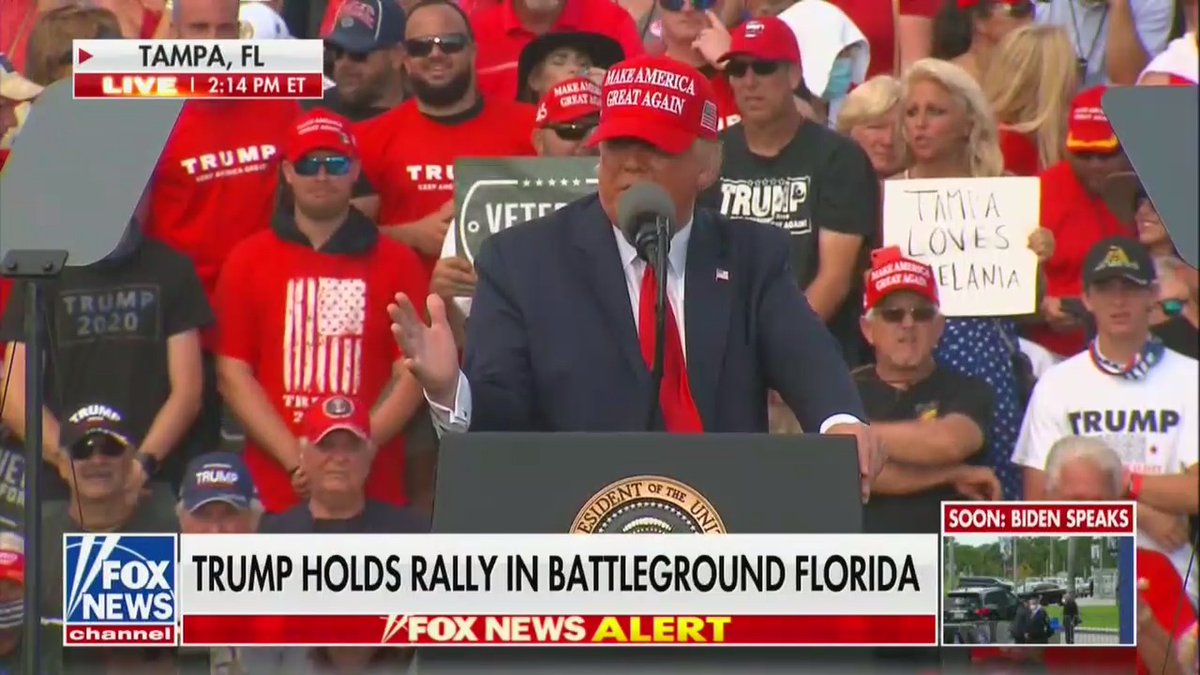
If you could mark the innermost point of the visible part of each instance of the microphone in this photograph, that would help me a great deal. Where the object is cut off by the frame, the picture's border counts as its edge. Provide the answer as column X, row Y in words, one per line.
column 645, row 216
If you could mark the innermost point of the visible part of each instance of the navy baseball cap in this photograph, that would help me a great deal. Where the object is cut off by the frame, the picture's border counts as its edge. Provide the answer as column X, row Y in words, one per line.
column 1119, row 258
column 217, row 477
column 364, row 26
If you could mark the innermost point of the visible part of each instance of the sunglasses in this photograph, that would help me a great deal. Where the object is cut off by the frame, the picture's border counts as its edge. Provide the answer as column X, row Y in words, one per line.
column 94, row 443
column 680, row 5
column 739, row 67
column 335, row 53
column 337, row 165
column 922, row 314
column 573, row 132
column 448, row 44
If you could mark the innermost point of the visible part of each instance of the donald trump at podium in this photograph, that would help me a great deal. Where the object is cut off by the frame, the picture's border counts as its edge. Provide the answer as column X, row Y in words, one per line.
column 562, row 322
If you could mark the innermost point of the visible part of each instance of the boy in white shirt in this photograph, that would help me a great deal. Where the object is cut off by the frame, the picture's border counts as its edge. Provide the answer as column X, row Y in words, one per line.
column 1127, row 389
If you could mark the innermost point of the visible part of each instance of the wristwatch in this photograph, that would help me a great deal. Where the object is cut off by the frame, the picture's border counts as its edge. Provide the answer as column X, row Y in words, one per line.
column 149, row 463
column 1134, row 489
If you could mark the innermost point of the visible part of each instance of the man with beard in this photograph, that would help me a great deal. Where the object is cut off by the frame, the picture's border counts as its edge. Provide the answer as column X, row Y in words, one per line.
column 408, row 153
column 365, row 51
column 309, row 284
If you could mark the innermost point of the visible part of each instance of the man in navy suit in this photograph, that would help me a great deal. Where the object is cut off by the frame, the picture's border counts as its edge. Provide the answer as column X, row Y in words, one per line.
column 562, row 322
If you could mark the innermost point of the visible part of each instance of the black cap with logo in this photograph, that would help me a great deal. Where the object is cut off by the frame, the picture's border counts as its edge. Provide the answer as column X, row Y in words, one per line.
column 1119, row 258
column 364, row 26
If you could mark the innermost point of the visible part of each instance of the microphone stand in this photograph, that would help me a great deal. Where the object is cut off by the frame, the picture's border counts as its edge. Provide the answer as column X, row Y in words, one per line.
column 656, row 257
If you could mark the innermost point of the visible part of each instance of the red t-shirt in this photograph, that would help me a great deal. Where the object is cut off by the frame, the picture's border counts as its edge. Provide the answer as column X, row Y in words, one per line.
column 4, row 153
column 726, row 104
column 6, row 286
column 500, row 37
column 313, row 324
column 16, row 22
column 409, row 157
column 1078, row 221
column 216, row 180
column 1021, row 156
column 875, row 19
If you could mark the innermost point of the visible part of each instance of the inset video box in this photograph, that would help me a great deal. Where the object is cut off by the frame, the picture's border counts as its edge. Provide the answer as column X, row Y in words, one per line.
column 1037, row 573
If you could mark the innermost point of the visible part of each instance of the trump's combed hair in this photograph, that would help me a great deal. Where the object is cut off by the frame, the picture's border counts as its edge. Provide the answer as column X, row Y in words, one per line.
column 1085, row 449
column 983, row 144
column 869, row 102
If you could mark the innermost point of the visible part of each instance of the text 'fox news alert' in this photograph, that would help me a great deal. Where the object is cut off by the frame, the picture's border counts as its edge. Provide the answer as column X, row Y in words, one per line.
column 512, row 630
column 209, row 69
column 1113, row 519
column 119, row 590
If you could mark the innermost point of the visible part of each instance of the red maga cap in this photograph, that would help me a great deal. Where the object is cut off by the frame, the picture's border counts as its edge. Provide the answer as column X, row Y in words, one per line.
column 657, row 100
column 321, row 130
column 568, row 101
column 336, row 413
column 891, row 273
column 765, row 39
column 1088, row 128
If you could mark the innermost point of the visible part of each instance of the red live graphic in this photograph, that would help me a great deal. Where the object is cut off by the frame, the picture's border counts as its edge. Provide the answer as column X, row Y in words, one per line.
column 1113, row 519
column 460, row 630
column 195, row 85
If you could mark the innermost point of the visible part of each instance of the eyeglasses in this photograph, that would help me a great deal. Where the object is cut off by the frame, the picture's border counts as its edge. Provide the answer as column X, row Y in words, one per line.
column 335, row 53
column 94, row 443
column 448, row 44
column 337, row 165
column 573, row 132
column 680, row 5
column 923, row 314
column 739, row 67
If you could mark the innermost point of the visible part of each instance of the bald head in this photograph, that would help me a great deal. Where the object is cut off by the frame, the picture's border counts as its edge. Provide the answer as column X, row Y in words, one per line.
column 205, row 19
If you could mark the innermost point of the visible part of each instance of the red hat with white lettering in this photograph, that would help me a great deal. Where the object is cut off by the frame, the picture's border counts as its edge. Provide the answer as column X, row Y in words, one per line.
column 321, row 130
column 891, row 273
column 765, row 39
column 336, row 413
column 657, row 100
column 12, row 557
column 1088, row 128
column 568, row 101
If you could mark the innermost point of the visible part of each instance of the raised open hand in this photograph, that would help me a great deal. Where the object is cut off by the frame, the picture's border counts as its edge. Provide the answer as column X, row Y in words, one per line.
column 429, row 349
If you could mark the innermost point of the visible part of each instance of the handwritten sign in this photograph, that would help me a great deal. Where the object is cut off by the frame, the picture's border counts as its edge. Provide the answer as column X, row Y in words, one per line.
column 494, row 194
column 974, row 232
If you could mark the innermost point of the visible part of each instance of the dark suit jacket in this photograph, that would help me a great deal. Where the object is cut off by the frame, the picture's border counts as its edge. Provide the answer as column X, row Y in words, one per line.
column 552, row 344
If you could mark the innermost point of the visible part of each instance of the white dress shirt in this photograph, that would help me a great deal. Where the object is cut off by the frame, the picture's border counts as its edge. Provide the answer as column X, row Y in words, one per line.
column 458, row 419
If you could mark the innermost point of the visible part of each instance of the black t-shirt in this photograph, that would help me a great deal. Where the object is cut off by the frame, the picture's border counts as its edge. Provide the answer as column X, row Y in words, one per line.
column 821, row 180
column 12, row 486
column 375, row 518
column 1179, row 335
column 107, row 332
column 942, row 393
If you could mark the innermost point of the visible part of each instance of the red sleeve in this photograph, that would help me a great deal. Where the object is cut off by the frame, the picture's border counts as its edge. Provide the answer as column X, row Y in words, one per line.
column 410, row 279
column 331, row 11
column 233, row 304
column 1165, row 593
column 5, row 290
column 922, row 8
column 523, row 121
column 4, row 153
column 1020, row 153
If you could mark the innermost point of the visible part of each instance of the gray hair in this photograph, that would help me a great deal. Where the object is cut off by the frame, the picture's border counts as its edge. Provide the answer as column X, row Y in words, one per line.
column 1094, row 451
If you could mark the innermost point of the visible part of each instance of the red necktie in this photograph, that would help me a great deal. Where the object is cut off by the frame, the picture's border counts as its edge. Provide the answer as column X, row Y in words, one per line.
column 675, row 397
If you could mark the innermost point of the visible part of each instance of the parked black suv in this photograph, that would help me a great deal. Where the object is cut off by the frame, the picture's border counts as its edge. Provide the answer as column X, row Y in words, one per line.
column 985, row 582
column 1050, row 593
column 994, row 603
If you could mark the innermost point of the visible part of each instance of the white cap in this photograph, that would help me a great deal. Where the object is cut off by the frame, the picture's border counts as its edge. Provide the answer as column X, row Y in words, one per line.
column 260, row 22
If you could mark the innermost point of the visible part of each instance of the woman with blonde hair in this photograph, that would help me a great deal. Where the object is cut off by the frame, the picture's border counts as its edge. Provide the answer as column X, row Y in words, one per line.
column 949, row 132
column 871, row 116
column 1030, row 83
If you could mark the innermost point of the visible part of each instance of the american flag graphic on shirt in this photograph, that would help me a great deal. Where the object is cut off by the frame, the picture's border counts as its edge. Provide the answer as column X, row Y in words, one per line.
column 323, row 335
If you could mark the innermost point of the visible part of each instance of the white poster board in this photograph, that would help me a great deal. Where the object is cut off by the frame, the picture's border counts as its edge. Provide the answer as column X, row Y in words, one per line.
column 974, row 232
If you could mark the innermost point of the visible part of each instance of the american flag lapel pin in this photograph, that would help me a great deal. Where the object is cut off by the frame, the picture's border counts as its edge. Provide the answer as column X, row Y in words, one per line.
column 722, row 275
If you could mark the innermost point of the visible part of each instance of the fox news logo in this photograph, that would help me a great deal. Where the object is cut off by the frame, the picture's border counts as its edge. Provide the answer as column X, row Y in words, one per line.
column 119, row 590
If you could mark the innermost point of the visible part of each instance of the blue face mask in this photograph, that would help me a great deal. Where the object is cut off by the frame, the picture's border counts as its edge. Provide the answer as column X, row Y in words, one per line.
column 841, row 78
